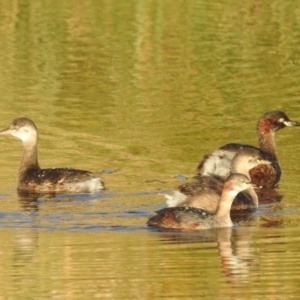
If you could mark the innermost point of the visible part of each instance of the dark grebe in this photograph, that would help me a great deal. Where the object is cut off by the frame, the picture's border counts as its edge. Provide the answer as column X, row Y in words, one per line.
column 267, row 176
column 194, row 218
column 206, row 191
column 32, row 178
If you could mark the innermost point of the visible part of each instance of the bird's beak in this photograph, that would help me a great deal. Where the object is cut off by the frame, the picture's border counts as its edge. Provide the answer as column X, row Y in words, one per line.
column 6, row 131
column 264, row 162
column 254, row 185
column 291, row 123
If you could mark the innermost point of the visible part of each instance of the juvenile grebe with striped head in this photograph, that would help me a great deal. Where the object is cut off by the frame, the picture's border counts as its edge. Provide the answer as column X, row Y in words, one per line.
column 32, row 178
column 191, row 218
column 206, row 191
column 267, row 176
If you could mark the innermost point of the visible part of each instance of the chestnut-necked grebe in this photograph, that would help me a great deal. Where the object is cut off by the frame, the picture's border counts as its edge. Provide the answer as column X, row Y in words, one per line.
column 267, row 176
column 32, row 178
column 194, row 218
column 206, row 191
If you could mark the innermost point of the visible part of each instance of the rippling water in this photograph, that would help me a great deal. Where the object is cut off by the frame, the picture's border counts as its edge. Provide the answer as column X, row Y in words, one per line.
column 138, row 92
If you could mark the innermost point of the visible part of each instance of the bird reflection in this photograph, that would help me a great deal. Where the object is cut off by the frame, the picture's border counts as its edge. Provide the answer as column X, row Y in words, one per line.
column 266, row 196
column 234, row 245
column 28, row 201
column 25, row 246
column 238, row 258
column 26, row 240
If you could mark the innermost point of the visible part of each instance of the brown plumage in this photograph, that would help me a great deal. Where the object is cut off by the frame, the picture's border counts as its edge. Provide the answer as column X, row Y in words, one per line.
column 191, row 218
column 206, row 191
column 32, row 178
column 267, row 176
column 208, row 198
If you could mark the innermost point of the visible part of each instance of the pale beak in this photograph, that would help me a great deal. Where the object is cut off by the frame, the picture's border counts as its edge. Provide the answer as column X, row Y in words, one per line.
column 264, row 162
column 291, row 123
column 6, row 131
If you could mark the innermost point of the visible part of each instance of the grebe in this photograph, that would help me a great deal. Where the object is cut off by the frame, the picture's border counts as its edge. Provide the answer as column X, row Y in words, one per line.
column 267, row 176
column 32, row 178
column 193, row 218
column 206, row 191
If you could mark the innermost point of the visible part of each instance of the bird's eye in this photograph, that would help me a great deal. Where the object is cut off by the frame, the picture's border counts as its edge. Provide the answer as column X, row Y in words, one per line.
column 281, row 120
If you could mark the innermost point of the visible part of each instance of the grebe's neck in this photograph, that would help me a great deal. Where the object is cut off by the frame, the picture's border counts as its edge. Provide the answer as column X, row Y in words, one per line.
column 265, row 136
column 29, row 159
column 227, row 197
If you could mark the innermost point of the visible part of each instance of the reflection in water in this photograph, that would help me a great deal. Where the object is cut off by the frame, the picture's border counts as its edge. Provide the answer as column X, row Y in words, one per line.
column 238, row 258
column 25, row 246
column 26, row 236
column 269, row 195
column 86, row 212
column 28, row 200
column 176, row 261
column 113, row 210
column 145, row 87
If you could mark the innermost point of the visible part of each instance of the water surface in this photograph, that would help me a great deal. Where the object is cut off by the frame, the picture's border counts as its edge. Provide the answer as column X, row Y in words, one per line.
column 144, row 89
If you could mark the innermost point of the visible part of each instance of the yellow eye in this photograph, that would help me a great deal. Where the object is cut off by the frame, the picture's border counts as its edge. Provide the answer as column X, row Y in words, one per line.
column 281, row 120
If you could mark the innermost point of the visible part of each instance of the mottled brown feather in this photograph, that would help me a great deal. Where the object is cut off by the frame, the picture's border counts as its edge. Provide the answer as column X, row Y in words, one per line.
column 266, row 176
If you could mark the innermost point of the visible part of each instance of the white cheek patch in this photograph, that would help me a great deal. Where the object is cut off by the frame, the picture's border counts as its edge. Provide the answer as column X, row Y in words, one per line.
column 23, row 135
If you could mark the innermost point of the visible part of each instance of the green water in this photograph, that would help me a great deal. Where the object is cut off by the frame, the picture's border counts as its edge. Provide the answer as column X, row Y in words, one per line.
column 145, row 89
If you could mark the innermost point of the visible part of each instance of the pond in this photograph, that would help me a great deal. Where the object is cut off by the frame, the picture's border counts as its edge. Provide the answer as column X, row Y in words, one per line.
column 138, row 92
